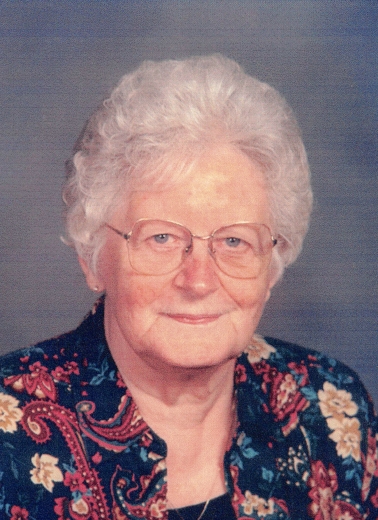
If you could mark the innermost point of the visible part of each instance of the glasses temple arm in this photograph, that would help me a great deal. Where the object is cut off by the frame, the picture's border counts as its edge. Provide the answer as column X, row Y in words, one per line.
column 126, row 236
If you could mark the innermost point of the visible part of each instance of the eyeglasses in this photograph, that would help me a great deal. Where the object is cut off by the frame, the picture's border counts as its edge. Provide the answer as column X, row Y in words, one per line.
column 156, row 247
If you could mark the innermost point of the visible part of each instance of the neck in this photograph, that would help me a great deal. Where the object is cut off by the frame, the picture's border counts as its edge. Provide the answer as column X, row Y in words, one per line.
column 192, row 410
column 175, row 395
column 172, row 394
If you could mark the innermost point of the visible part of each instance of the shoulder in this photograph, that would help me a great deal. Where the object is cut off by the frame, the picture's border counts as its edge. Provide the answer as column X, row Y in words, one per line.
column 320, row 372
column 90, row 331
column 323, row 420
column 37, row 371
column 314, row 368
column 40, row 389
column 298, row 383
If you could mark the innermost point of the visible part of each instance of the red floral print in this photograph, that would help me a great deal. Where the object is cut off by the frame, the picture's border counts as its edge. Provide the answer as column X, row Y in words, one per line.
column 19, row 513
column 323, row 484
column 285, row 398
column 80, row 509
column 374, row 499
column 75, row 482
column 240, row 374
column 345, row 511
column 39, row 382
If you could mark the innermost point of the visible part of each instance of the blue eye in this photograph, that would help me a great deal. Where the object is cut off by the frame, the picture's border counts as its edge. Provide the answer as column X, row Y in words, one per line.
column 233, row 241
column 161, row 238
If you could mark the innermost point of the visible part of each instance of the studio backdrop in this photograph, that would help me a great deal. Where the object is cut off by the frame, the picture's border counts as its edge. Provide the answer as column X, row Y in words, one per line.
column 59, row 59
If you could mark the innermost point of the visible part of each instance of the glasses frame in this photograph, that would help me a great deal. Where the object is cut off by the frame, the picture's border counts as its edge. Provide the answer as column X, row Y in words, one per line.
column 128, row 235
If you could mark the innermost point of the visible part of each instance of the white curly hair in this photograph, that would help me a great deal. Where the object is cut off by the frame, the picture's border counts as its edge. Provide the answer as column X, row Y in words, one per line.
column 156, row 124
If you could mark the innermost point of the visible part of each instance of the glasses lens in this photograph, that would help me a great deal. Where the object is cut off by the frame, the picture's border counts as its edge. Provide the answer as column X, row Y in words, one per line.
column 157, row 246
column 242, row 250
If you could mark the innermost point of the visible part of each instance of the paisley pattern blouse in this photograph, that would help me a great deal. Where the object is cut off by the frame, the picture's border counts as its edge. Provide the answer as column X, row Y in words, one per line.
column 74, row 446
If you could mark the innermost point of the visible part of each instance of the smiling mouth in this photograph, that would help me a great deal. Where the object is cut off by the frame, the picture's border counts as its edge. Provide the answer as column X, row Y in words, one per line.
column 194, row 319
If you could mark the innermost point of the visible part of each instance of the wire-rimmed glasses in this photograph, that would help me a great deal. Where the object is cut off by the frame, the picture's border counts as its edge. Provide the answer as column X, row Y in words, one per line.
column 157, row 247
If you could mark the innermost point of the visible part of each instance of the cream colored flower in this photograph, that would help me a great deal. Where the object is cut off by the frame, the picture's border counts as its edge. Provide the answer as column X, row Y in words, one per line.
column 161, row 463
column 81, row 507
column 347, row 516
column 250, row 503
column 288, row 387
column 136, row 417
column 258, row 349
column 157, row 509
column 265, row 508
column 45, row 471
column 255, row 503
column 10, row 414
column 346, row 433
column 336, row 403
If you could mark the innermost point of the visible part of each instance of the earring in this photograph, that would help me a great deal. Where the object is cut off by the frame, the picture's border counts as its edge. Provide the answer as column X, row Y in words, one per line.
column 96, row 288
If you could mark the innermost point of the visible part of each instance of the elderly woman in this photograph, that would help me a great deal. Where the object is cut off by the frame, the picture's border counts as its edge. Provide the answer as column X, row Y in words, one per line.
column 187, row 196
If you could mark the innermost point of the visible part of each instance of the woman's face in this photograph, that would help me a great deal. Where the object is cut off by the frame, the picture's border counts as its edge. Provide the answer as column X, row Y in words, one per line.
column 196, row 316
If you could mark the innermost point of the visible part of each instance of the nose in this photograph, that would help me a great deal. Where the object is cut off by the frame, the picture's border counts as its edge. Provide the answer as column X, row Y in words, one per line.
column 197, row 276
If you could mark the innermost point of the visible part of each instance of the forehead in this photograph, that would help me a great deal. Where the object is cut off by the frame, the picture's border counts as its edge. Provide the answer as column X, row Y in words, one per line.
column 222, row 187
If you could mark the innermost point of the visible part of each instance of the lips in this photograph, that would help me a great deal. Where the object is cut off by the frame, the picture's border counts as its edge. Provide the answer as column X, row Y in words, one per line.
column 194, row 319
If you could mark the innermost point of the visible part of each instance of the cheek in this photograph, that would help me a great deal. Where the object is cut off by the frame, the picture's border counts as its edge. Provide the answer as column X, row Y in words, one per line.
column 249, row 294
column 123, row 285
column 138, row 294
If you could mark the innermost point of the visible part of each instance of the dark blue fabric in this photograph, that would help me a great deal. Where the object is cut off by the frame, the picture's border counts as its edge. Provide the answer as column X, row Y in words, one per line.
column 219, row 508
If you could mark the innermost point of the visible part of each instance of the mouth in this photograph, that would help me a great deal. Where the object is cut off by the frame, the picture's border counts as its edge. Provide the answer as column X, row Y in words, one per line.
column 194, row 319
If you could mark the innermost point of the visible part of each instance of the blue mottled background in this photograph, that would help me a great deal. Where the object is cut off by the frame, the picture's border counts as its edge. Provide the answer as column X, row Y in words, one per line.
column 57, row 61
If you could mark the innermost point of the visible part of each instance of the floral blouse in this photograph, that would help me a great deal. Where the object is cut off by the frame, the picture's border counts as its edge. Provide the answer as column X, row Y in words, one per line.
column 74, row 446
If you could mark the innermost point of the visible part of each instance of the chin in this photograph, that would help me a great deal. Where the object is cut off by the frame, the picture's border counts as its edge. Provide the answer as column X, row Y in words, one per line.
column 192, row 356
column 192, row 346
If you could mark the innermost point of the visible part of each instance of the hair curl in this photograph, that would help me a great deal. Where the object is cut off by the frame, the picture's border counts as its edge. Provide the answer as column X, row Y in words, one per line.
column 155, row 125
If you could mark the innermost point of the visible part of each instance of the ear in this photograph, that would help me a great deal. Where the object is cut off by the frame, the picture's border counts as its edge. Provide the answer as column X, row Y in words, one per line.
column 275, row 276
column 268, row 293
column 94, row 281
